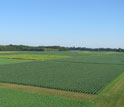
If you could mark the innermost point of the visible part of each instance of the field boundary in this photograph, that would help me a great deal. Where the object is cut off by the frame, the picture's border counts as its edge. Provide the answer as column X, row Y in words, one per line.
column 7, row 52
column 16, row 61
column 112, row 95
column 51, row 92
column 108, row 87
column 89, row 62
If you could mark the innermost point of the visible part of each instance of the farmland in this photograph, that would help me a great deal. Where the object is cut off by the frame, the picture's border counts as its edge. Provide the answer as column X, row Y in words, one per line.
column 11, row 61
column 14, row 98
column 33, row 57
column 74, row 71
column 61, row 75
column 7, row 52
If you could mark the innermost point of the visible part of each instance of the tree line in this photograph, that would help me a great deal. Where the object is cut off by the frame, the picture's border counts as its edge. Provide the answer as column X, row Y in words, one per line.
column 97, row 49
column 53, row 48
column 31, row 48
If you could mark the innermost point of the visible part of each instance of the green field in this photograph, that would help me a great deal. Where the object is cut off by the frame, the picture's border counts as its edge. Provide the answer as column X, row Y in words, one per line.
column 75, row 71
column 14, row 98
column 112, row 95
column 87, row 72
column 33, row 57
column 11, row 61
column 7, row 52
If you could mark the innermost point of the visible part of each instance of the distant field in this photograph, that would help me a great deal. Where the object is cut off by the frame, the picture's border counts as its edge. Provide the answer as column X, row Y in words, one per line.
column 11, row 61
column 98, row 53
column 14, row 98
column 7, row 51
column 87, row 72
column 96, row 57
column 33, row 57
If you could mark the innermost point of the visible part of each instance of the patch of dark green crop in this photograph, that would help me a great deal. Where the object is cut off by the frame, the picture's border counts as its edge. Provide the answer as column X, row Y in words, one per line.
column 77, row 77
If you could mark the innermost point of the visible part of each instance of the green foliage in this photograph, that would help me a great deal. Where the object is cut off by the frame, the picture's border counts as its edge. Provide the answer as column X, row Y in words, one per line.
column 31, row 48
column 14, row 98
column 97, row 49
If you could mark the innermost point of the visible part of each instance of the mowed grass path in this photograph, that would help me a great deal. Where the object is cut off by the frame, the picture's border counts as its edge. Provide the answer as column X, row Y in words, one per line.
column 16, row 98
column 51, row 92
column 113, row 94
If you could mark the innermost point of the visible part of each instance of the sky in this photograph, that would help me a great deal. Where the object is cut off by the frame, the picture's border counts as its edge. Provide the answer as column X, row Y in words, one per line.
column 79, row 23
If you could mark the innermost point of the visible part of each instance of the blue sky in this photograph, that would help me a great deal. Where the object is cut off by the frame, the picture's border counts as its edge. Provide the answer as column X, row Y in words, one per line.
column 85, row 23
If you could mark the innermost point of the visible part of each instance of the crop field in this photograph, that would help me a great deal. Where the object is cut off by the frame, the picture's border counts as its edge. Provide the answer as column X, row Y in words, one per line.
column 61, row 79
column 85, row 72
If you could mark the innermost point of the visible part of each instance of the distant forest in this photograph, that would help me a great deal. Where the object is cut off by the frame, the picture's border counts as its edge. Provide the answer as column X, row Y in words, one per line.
column 53, row 48
column 31, row 48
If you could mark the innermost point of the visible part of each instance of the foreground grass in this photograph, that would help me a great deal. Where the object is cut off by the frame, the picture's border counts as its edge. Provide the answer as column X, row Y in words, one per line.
column 111, row 96
column 15, row 98
column 51, row 92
